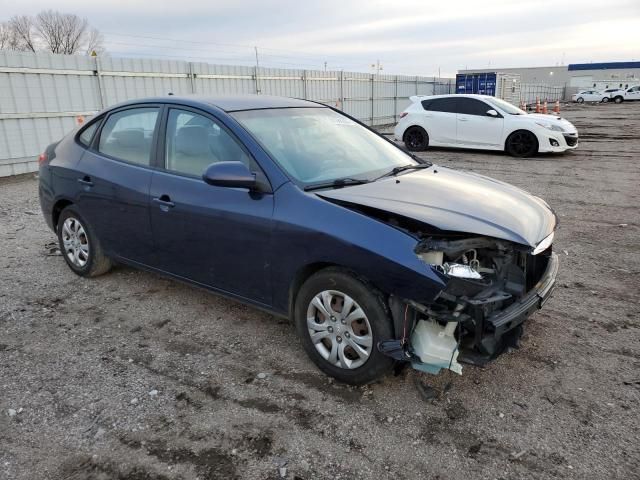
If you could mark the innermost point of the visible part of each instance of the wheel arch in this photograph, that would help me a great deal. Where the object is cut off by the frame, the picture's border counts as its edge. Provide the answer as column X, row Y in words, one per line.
column 415, row 125
column 301, row 276
column 307, row 271
column 508, row 136
column 60, row 205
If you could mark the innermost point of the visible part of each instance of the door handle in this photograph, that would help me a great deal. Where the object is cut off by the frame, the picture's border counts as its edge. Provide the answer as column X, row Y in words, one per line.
column 463, row 119
column 86, row 181
column 165, row 202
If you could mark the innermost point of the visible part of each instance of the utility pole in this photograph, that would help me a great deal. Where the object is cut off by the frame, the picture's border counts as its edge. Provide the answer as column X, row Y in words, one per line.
column 377, row 67
column 325, row 66
column 257, row 70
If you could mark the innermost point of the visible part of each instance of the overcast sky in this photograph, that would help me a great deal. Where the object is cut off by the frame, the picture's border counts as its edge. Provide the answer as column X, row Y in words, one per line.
column 411, row 37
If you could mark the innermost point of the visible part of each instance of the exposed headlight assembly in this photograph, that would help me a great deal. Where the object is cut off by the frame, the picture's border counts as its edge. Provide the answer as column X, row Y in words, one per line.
column 458, row 270
column 544, row 244
column 550, row 126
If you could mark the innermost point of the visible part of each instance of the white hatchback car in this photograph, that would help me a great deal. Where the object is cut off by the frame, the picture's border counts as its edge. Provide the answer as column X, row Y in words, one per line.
column 482, row 122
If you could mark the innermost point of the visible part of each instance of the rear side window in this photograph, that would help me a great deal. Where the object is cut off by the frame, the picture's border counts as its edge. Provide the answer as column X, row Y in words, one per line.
column 471, row 106
column 127, row 135
column 87, row 134
column 443, row 105
column 426, row 104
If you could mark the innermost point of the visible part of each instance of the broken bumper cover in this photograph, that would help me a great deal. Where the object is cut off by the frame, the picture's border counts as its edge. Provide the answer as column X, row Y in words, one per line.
column 518, row 312
column 481, row 336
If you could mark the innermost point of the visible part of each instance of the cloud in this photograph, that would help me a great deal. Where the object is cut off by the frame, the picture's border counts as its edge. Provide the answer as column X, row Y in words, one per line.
column 407, row 36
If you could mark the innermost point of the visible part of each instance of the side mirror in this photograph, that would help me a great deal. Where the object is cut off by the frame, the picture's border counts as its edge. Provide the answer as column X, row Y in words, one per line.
column 230, row 174
column 492, row 113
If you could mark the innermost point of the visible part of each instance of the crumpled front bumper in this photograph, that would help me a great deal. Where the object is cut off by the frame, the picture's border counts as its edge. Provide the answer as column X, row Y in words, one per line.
column 503, row 328
column 517, row 313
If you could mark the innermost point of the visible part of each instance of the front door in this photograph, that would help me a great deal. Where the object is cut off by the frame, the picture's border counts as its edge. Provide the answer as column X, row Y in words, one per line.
column 475, row 128
column 217, row 236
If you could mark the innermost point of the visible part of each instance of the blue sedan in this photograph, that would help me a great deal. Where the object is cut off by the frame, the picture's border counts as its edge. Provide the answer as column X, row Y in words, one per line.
column 375, row 255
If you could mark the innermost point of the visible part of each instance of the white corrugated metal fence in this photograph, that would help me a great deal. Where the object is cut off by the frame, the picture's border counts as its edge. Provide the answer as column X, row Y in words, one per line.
column 42, row 94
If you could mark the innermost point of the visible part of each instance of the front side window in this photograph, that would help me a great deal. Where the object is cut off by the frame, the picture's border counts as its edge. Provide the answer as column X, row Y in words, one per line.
column 194, row 142
column 315, row 145
column 471, row 106
column 128, row 134
column 505, row 107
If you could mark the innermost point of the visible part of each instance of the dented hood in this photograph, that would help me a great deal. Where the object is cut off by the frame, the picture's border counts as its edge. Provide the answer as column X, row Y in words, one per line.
column 456, row 201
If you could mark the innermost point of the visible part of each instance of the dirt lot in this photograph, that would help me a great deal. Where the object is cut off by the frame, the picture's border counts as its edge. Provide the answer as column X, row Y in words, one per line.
column 132, row 376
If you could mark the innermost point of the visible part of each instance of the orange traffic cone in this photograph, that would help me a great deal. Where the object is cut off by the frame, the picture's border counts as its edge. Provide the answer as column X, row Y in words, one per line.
column 544, row 108
column 537, row 105
column 556, row 108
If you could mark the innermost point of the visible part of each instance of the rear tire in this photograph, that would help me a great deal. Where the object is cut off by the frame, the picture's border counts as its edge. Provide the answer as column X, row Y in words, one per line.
column 605, row 100
column 347, row 334
column 522, row 143
column 416, row 139
column 79, row 245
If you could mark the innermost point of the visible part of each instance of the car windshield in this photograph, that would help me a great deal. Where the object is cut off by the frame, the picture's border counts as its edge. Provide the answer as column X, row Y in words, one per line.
column 319, row 145
column 505, row 106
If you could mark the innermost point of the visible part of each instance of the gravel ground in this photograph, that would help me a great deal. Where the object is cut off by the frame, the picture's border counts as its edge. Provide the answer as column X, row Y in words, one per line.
column 133, row 376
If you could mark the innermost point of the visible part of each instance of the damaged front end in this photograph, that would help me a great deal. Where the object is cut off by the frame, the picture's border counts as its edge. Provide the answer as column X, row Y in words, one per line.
column 492, row 286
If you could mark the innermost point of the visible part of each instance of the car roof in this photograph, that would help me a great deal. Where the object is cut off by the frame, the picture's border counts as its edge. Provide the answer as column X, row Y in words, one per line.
column 229, row 103
column 419, row 98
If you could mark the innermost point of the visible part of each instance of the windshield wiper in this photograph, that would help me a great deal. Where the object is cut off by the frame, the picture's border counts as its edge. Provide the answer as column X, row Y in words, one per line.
column 397, row 170
column 337, row 183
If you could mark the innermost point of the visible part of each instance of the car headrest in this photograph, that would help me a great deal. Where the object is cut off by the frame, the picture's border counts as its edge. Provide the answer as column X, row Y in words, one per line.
column 130, row 138
column 193, row 140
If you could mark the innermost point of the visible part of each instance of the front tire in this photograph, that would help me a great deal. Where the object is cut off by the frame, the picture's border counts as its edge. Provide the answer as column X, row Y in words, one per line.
column 416, row 139
column 618, row 99
column 580, row 100
column 340, row 320
column 522, row 143
column 79, row 245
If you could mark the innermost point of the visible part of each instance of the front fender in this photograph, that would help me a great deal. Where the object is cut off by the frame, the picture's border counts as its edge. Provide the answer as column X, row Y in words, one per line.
column 339, row 236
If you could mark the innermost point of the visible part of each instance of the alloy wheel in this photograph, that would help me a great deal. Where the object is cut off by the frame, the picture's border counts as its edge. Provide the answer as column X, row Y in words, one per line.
column 339, row 329
column 522, row 143
column 415, row 138
column 75, row 242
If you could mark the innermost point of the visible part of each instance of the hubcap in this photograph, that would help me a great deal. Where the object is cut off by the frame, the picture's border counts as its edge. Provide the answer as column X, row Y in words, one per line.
column 75, row 242
column 339, row 329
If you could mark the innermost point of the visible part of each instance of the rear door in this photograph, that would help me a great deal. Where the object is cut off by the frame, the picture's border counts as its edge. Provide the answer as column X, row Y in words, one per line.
column 216, row 236
column 440, row 120
column 115, row 180
column 475, row 128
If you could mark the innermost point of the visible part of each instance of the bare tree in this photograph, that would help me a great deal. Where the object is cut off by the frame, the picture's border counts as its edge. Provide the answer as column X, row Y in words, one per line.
column 22, row 27
column 51, row 31
column 61, row 32
column 49, row 27
column 5, row 35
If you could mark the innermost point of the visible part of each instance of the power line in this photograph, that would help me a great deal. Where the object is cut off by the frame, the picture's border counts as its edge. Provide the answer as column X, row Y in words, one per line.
column 250, row 47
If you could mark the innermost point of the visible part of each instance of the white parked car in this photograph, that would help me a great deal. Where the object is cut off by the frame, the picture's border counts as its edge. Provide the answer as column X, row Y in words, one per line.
column 631, row 93
column 590, row 96
column 482, row 122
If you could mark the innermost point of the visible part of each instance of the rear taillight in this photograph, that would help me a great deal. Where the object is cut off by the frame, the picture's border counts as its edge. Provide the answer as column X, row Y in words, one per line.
column 42, row 158
column 403, row 114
